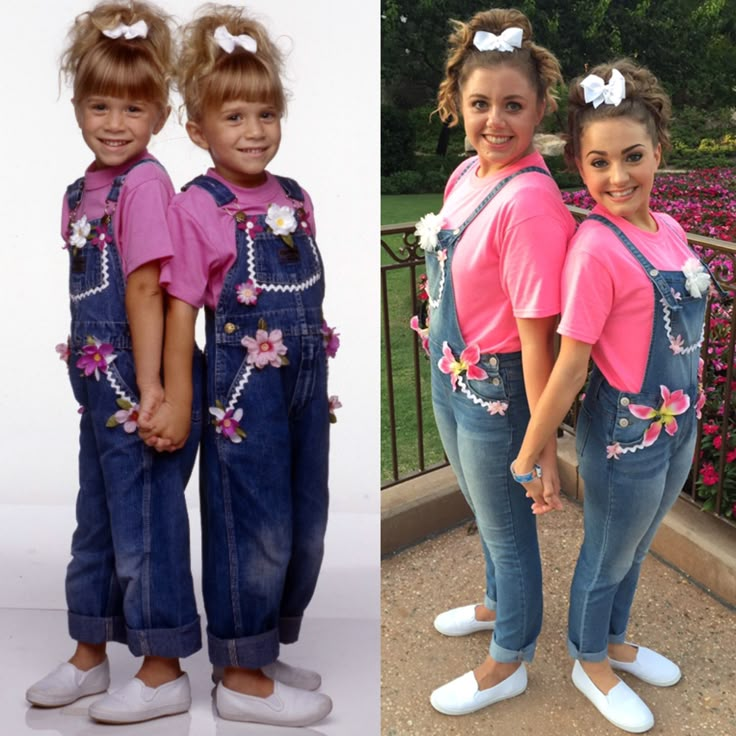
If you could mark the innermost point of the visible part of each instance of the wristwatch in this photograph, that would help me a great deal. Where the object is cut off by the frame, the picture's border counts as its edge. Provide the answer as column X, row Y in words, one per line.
column 535, row 472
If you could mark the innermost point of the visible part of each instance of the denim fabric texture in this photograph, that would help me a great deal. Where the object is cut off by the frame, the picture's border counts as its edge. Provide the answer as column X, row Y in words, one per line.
column 264, row 499
column 627, row 495
column 480, row 446
column 129, row 578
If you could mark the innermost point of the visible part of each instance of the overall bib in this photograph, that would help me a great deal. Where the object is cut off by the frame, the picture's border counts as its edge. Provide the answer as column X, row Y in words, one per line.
column 481, row 425
column 129, row 578
column 264, row 494
column 635, row 452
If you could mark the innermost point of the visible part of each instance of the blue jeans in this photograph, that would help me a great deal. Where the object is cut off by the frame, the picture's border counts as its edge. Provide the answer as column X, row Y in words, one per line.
column 480, row 447
column 625, row 501
column 129, row 578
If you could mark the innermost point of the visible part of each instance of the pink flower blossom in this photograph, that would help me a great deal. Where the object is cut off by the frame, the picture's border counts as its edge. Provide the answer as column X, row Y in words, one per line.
column 128, row 418
column 498, row 407
column 710, row 428
column 64, row 350
column 699, row 405
column 442, row 255
column 676, row 345
column 717, row 441
column 96, row 357
column 247, row 292
column 709, row 474
column 673, row 404
column 330, row 339
column 423, row 332
column 266, row 348
column 227, row 423
column 614, row 451
column 466, row 364
column 334, row 405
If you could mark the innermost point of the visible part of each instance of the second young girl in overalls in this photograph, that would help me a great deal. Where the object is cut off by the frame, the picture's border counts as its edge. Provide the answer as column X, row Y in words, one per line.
column 634, row 297
column 494, row 258
column 129, row 578
column 246, row 252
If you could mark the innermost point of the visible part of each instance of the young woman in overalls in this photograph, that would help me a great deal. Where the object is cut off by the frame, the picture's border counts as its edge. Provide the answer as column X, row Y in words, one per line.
column 246, row 252
column 634, row 297
column 494, row 257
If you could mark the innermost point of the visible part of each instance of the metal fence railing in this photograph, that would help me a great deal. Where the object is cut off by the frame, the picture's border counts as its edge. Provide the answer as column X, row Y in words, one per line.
column 410, row 445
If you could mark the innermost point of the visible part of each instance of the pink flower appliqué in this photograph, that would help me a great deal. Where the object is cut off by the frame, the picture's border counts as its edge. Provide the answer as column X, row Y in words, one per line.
column 676, row 344
column 442, row 255
column 423, row 332
column 674, row 403
column 248, row 292
column 227, row 423
column 127, row 416
column 64, row 350
column 498, row 407
column 330, row 339
column 96, row 357
column 466, row 364
column 334, row 405
column 614, row 451
column 266, row 348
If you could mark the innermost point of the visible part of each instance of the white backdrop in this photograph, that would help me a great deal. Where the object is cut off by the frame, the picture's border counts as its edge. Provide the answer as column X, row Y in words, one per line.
column 330, row 145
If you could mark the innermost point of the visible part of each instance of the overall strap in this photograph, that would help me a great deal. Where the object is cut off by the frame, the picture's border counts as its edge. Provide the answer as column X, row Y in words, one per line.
column 527, row 169
column 220, row 193
column 652, row 273
column 119, row 180
column 74, row 194
column 291, row 188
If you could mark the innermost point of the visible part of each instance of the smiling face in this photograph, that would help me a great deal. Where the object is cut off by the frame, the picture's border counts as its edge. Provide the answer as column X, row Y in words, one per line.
column 500, row 110
column 617, row 162
column 117, row 129
column 242, row 138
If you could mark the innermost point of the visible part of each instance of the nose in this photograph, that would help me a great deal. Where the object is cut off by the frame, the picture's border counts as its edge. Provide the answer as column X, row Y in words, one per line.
column 253, row 127
column 494, row 117
column 617, row 173
column 115, row 119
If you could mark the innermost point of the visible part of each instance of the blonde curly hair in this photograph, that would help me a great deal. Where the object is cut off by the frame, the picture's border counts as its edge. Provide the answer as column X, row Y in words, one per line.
column 538, row 64
column 207, row 76
column 138, row 68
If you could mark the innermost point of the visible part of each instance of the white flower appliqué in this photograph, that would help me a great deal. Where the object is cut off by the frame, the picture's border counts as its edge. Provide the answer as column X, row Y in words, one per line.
column 697, row 279
column 427, row 229
column 79, row 232
column 281, row 220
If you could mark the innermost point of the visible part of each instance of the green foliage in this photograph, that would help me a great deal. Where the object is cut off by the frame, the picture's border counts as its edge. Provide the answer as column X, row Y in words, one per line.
column 397, row 140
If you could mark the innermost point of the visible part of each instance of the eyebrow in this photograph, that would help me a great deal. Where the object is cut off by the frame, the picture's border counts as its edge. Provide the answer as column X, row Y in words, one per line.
column 605, row 153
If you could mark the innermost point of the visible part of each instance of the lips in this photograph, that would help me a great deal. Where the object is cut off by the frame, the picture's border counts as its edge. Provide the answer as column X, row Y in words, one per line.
column 622, row 194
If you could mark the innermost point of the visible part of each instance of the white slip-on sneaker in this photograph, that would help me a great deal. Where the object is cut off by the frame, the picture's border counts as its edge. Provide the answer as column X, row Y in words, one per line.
column 68, row 683
column 461, row 695
column 461, row 621
column 286, row 706
column 299, row 677
column 650, row 667
column 135, row 701
column 621, row 705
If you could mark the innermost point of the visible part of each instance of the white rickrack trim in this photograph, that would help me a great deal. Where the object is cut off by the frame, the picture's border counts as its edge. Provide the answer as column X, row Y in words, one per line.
column 465, row 389
column 301, row 286
column 117, row 388
column 668, row 329
column 105, row 280
column 239, row 388
column 434, row 303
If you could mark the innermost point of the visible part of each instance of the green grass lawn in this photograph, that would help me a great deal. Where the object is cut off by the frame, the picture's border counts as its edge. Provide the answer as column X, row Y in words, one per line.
column 401, row 285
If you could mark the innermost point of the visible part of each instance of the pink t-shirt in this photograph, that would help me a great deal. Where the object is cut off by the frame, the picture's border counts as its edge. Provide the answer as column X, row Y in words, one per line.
column 607, row 298
column 509, row 260
column 204, row 237
column 139, row 220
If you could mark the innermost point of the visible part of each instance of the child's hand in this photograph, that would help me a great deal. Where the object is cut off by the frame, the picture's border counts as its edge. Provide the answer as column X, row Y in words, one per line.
column 168, row 429
column 152, row 396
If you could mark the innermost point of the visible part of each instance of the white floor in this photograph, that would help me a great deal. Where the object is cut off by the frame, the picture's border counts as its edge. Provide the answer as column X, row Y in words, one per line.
column 340, row 635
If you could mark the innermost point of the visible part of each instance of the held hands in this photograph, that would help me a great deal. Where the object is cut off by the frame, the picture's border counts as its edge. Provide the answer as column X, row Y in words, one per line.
column 167, row 429
column 544, row 491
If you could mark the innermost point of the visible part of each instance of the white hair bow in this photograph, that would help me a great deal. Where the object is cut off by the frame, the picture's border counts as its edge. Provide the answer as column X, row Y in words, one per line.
column 509, row 39
column 227, row 42
column 597, row 92
column 137, row 30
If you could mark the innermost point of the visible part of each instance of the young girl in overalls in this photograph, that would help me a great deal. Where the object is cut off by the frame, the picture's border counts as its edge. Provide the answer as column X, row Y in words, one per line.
column 129, row 578
column 494, row 257
column 634, row 298
column 245, row 250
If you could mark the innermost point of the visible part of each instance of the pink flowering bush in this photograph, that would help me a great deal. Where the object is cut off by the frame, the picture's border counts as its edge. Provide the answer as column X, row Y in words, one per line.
column 704, row 203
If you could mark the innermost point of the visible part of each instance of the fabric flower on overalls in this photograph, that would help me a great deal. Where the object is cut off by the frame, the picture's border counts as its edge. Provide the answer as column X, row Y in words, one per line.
column 64, row 350
column 498, row 407
column 334, row 405
column 282, row 222
column 423, row 332
column 243, row 222
column 247, row 293
column 700, row 403
column 96, row 357
column 227, row 422
column 466, row 364
column 697, row 279
column 674, row 403
column 266, row 348
column 427, row 230
column 127, row 416
column 79, row 232
column 330, row 339
column 98, row 235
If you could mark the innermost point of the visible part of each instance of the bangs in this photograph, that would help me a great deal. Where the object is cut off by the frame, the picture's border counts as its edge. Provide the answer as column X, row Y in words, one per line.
column 242, row 77
column 120, row 70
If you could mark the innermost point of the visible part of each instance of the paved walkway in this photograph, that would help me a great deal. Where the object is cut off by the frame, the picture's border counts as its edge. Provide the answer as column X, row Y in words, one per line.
column 670, row 614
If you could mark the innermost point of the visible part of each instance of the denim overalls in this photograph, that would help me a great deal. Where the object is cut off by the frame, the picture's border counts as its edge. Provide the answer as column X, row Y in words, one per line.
column 263, row 487
column 481, row 425
column 129, row 578
column 635, row 452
